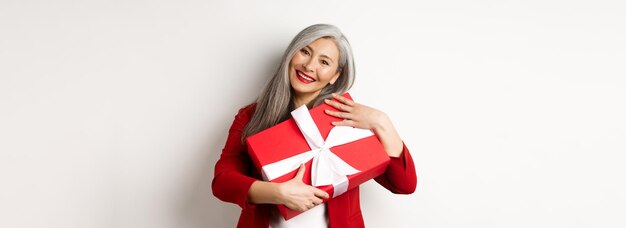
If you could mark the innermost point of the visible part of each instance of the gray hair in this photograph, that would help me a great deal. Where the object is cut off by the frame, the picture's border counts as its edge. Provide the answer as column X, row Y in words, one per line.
column 276, row 100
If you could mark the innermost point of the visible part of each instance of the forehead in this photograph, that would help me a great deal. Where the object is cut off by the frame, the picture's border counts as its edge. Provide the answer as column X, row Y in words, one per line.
column 325, row 46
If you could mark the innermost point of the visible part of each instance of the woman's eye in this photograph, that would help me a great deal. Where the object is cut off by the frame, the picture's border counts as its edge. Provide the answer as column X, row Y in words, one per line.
column 324, row 62
column 304, row 51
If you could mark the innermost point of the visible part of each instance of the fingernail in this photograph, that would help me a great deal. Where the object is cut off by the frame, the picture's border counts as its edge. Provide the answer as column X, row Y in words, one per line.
column 334, row 94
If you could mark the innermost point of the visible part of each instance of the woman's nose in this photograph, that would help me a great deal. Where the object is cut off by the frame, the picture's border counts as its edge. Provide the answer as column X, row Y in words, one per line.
column 308, row 65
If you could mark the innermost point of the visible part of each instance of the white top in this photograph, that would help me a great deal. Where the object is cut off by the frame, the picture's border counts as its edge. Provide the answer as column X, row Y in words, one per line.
column 313, row 218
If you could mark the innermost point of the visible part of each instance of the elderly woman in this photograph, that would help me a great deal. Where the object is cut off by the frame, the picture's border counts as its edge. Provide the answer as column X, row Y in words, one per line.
column 317, row 65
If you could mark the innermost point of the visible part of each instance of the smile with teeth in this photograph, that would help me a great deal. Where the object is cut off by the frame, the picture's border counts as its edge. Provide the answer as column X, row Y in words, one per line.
column 304, row 78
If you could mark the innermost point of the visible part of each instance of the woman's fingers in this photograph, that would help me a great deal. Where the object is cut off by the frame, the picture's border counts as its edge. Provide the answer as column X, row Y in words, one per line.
column 320, row 194
column 313, row 202
column 349, row 110
column 343, row 99
column 300, row 173
column 343, row 115
column 355, row 114
column 302, row 208
column 349, row 123
column 317, row 201
column 300, row 196
column 337, row 105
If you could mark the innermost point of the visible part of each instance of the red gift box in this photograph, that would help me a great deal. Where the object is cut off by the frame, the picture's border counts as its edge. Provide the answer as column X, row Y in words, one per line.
column 285, row 140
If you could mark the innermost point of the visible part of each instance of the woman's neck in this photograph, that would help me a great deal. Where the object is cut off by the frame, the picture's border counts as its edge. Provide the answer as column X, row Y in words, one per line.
column 303, row 99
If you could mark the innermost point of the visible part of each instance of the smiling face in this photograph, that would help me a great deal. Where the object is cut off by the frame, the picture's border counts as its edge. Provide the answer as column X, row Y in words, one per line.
column 312, row 68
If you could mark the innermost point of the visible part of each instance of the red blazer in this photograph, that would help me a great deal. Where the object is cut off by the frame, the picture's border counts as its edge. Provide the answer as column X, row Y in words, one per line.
column 234, row 173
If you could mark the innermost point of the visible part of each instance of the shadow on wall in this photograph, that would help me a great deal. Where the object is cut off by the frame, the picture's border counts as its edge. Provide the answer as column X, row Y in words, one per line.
column 201, row 208
column 198, row 207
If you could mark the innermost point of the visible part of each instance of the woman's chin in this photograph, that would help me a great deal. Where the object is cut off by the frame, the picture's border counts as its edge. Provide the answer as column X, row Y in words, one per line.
column 304, row 91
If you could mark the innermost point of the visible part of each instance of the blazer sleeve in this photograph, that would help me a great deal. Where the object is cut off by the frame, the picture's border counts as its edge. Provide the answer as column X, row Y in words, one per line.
column 400, row 176
column 231, row 180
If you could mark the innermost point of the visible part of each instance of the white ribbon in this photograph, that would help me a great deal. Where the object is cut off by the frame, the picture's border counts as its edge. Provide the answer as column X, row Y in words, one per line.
column 327, row 167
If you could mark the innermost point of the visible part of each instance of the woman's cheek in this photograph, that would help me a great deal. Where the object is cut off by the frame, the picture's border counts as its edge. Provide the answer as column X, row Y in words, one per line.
column 324, row 72
column 298, row 58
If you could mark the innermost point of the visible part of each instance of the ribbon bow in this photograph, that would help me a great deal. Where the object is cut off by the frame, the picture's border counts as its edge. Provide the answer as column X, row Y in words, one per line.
column 327, row 167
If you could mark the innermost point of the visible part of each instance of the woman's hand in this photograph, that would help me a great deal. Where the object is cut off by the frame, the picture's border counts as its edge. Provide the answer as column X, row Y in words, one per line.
column 356, row 115
column 298, row 196
column 361, row 116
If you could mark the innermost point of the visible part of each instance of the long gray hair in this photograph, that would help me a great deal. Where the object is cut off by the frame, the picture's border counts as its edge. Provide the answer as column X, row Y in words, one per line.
column 276, row 101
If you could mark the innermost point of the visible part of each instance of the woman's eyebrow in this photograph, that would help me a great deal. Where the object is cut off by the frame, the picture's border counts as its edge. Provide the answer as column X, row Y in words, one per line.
column 329, row 58
column 323, row 55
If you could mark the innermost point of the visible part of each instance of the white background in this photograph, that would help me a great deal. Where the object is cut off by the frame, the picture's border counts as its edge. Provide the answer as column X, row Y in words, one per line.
column 113, row 113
